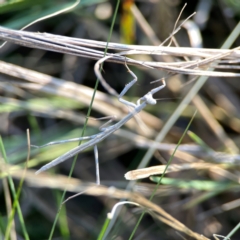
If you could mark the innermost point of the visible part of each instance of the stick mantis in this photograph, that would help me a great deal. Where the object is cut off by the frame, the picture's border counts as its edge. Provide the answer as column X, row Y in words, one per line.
column 147, row 99
column 142, row 102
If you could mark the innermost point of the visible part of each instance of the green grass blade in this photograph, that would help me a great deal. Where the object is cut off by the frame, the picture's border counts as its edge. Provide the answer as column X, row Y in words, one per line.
column 104, row 229
column 37, row 11
column 86, row 121
column 232, row 232
column 200, row 185
column 17, row 5
column 199, row 141
column 63, row 223
column 12, row 187
column 160, row 179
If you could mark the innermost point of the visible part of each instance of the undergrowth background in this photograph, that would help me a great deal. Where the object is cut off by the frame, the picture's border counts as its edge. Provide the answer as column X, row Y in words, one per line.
column 51, row 116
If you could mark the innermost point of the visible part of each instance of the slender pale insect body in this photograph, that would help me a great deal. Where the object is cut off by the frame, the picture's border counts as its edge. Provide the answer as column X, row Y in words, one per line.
column 95, row 140
column 105, row 132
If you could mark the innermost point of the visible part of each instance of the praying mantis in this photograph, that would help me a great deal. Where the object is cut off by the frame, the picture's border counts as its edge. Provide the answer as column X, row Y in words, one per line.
column 141, row 103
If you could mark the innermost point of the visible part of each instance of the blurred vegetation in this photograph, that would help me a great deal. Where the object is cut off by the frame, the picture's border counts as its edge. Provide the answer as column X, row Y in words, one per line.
column 206, row 201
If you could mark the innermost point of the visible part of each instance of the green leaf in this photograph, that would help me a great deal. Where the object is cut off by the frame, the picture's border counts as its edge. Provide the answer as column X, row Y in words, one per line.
column 200, row 185
column 199, row 141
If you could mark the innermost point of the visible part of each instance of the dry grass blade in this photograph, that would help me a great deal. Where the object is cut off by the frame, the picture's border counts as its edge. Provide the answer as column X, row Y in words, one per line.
column 157, row 170
column 74, row 185
column 74, row 47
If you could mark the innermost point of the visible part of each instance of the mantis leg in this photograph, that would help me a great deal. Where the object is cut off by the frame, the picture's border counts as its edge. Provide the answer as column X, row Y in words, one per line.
column 159, row 88
column 64, row 141
column 126, row 88
column 97, row 165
